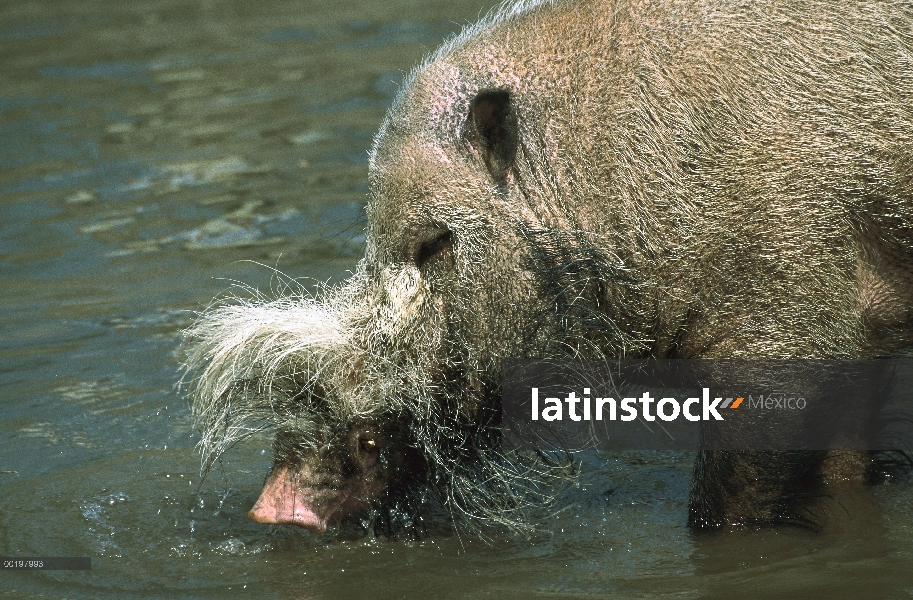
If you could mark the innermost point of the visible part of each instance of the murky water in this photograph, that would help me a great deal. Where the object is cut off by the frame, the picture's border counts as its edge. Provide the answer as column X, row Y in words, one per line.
column 155, row 152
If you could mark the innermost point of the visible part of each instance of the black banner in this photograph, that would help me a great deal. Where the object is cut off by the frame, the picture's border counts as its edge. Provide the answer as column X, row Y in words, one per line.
column 725, row 404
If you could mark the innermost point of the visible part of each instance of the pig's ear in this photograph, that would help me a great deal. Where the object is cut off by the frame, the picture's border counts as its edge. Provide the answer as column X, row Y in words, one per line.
column 492, row 130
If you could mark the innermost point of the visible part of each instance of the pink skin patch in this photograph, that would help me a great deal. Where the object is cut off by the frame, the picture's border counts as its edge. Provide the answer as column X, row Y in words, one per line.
column 289, row 498
column 283, row 502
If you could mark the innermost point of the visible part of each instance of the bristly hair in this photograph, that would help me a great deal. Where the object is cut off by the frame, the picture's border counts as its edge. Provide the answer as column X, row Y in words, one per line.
column 591, row 295
column 507, row 11
column 279, row 364
column 247, row 360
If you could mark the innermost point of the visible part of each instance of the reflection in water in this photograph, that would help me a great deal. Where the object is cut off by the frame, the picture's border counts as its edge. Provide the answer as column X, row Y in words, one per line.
column 153, row 155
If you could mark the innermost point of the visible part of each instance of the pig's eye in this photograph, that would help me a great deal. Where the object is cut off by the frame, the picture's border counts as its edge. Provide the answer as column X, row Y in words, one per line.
column 367, row 445
column 431, row 248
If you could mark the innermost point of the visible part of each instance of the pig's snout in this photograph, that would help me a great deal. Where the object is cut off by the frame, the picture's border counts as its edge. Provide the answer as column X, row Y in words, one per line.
column 283, row 503
column 298, row 496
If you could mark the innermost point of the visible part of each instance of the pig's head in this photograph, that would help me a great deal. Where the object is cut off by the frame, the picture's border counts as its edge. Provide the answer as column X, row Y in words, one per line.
column 384, row 391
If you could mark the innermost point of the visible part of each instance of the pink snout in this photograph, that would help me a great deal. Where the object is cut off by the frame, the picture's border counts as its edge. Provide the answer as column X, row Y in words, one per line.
column 283, row 502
